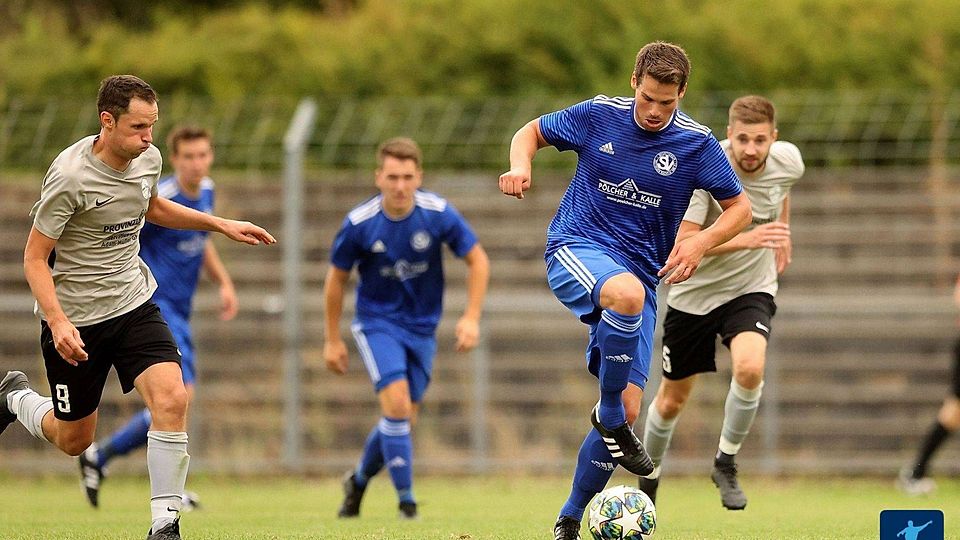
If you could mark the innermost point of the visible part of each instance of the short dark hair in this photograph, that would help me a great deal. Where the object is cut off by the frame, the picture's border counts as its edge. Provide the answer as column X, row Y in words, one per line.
column 400, row 148
column 116, row 92
column 752, row 110
column 665, row 62
column 186, row 133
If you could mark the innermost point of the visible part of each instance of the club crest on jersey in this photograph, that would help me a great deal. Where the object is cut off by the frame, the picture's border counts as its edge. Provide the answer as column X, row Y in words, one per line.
column 420, row 241
column 145, row 188
column 665, row 163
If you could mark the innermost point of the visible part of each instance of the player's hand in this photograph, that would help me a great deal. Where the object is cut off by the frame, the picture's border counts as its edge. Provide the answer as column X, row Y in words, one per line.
column 335, row 355
column 246, row 232
column 66, row 339
column 771, row 235
column 468, row 333
column 784, row 256
column 514, row 182
column 229, row 304
column 683, row 260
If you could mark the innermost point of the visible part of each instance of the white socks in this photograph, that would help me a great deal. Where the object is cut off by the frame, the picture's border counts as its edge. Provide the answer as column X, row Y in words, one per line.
column 30, row 408
column 167, row 462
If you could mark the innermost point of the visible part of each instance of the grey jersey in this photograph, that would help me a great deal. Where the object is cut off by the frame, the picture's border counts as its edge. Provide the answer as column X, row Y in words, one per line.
column 95, row 213
column 722, row 278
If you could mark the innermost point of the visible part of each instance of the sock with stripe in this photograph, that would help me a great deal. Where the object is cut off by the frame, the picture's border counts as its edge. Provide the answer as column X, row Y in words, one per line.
column 594, row 468
column 372, row 459
column 397, row 448
column 619, row 339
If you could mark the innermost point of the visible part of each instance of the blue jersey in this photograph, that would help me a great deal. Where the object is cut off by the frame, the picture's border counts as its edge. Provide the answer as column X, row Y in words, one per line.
column 632, row 186
column 400, row 261
column 176, row 256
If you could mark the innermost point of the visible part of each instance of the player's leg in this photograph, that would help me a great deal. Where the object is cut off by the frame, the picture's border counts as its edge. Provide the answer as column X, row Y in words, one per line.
column 913, row 478
column 689, row 347
column 396, row 443
column 148, row 359
column 745, row 328
column 384, row 358
column 420, row 354
column 133, row 434
column 601, row 292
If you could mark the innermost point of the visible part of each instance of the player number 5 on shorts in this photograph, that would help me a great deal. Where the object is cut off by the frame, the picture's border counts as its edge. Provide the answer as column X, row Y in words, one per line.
column 63, row 398
column 666, row 359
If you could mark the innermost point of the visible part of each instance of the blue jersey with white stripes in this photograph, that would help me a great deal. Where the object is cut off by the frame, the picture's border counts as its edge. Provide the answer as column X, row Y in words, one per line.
column 400, row 261
column 632, row 186
column 176, row 256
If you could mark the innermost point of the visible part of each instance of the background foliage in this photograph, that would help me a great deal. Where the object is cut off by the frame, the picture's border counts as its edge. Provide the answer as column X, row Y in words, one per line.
column 230, row 48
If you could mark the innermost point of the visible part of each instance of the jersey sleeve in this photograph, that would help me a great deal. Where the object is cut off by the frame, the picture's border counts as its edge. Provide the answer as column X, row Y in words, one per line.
column 346, row 249
column 457, row 233
column 698, row 208
column 792, row 160
column 715, row 174
column 567, row 129
column 59, row 200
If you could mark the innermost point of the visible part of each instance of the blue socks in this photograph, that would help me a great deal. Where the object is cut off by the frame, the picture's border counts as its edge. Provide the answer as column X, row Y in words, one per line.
column 618, row 336
column 389, row 444
column 397, row 448
column 130, row 437
column 372, row 459
column 594, row 468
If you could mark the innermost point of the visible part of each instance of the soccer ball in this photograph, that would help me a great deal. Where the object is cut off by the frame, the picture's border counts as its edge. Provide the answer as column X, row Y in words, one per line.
column 622, row 513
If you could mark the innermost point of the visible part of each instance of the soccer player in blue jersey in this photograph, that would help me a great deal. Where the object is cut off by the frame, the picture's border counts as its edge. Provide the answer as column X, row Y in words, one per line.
column 612, row 239
column 176, row 258
column 395, row 240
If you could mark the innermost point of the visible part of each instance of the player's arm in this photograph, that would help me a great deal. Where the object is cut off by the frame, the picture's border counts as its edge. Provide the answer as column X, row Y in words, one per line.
column 334, row 349
column 478, row 276
column 769, row 235
column 689, row 251
column 214, row 268
column 524, row 145
column 66, row 338
column 784, row 252
column 172, row 215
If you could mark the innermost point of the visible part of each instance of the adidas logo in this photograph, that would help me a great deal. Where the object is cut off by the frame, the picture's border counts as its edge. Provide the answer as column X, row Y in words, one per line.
column 607, row 148
column 620, row 358
column 396, row 462
column 378, row 247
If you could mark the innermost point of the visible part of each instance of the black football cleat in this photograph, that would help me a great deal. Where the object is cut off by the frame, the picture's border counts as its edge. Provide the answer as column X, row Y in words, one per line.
column 91, row 475
column 167, row 532
column 566, row 528
column 724, row 476
column 12, row 381
column 623, row 445
column 352, row 495
column 649, row 486
column 408, row 510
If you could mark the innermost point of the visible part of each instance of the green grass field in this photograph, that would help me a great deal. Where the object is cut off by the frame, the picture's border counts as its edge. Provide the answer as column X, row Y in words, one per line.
column 467, row 508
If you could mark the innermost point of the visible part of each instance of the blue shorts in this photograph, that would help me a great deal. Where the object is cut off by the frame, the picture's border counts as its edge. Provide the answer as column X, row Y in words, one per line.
column 180, row 327
column 391, row 353
column 576, row 272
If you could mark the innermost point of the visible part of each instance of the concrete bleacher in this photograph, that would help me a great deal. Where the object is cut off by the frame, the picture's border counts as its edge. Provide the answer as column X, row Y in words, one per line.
column 858, row 362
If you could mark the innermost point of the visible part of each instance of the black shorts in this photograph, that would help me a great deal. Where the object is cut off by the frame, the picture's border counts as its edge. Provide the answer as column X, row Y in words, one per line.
column 689, row 341
column 131, row 343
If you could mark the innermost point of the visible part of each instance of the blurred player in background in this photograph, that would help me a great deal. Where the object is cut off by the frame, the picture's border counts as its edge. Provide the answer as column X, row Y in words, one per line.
column 93, row 294
column 395, row 239
column 639, row 161
column 731, row 295
column 176, row 258
column 913, row 478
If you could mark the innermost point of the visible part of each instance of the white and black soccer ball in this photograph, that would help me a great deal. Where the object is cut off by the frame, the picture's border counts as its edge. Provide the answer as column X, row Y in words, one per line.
column 622, row 513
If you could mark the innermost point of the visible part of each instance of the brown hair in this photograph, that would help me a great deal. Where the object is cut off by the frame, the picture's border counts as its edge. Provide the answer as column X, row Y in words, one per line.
column 752, row 110
column 400, row 148
column 116, row 92
column 665, row 62
column 186, row 133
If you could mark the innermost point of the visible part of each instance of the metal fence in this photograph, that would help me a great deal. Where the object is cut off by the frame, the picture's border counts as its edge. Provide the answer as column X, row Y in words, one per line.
column 835, row 128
